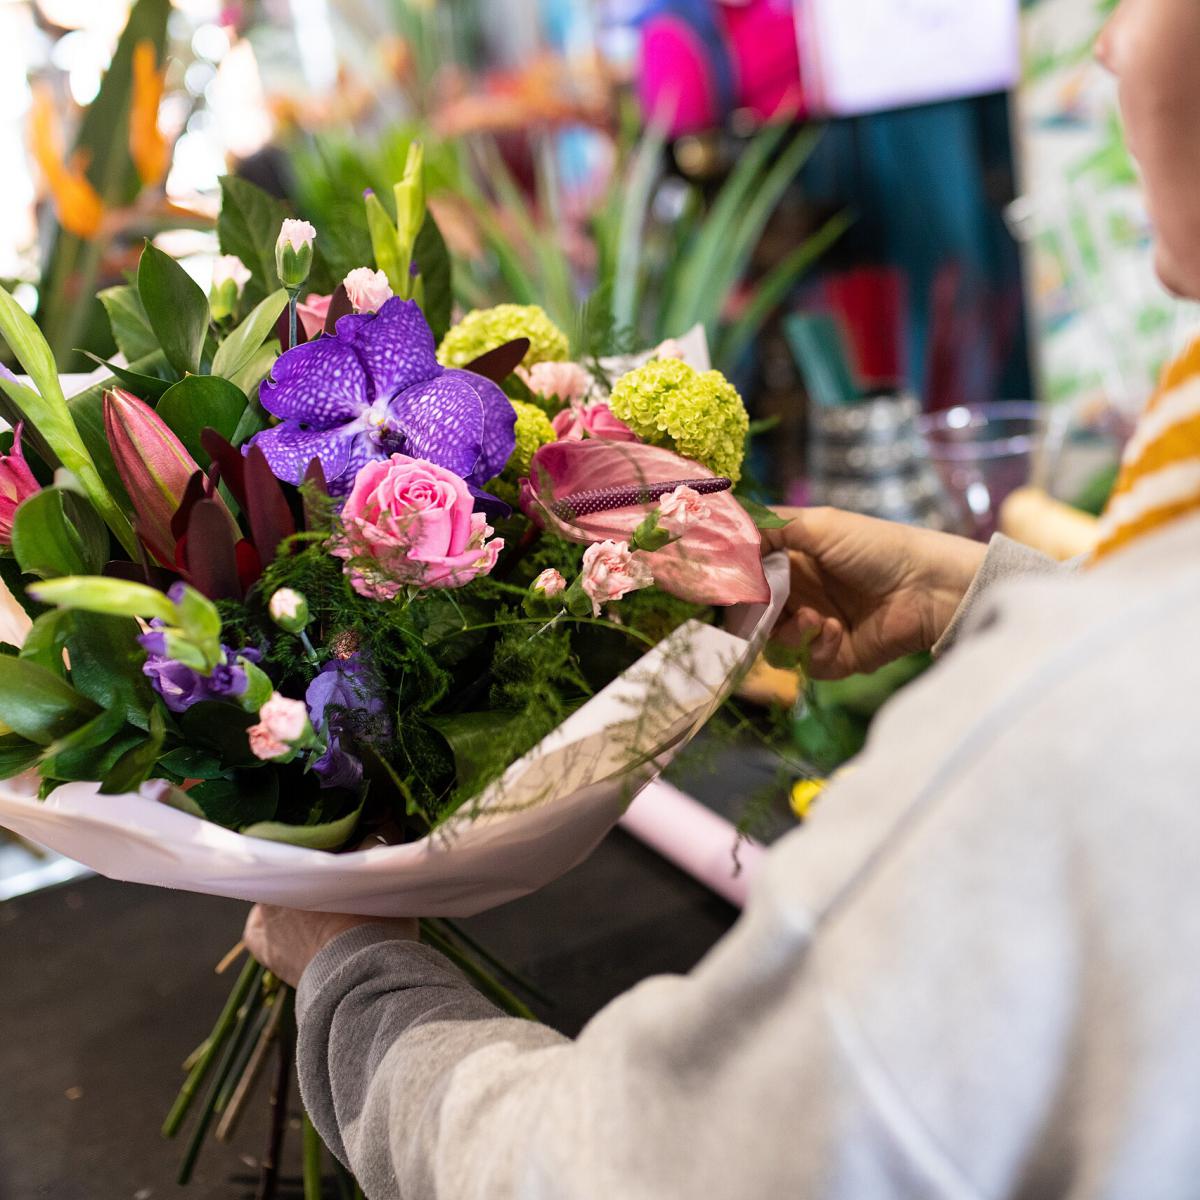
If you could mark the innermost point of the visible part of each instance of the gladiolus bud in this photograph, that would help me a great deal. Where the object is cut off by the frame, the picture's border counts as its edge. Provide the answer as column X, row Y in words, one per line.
column 294, row 253
column 410, row 196
column 154, row 467
column 17, row 484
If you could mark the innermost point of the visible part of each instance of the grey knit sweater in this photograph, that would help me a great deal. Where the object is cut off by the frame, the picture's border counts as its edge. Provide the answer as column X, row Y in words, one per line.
column 972, row 974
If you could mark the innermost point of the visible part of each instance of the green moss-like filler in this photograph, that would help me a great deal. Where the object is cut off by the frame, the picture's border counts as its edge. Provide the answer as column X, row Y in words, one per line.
column 484, row 329
column 533, row 431
column 697, row 414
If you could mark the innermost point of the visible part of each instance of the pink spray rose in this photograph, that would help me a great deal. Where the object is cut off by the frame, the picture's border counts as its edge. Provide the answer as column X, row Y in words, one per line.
column 566, row 381
column 367, row 289
column 409, row 523
column 17, row 484
column 312, row 313
column 611, row 570
column 682, row 508
column 591, row 420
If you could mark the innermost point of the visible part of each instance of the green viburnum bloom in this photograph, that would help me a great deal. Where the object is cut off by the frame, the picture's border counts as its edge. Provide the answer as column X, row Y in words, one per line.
column 484, row 329
column 697, row 414
column 533, row 430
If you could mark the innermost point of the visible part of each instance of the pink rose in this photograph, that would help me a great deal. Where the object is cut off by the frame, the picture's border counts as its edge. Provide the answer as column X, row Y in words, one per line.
column 611, row 570
column 409, row 523
column 312, row 314
column 367, row 289
column 17, row 484
column 681, row 508
column 591, row 420
column 550, row 583
column 566, row 381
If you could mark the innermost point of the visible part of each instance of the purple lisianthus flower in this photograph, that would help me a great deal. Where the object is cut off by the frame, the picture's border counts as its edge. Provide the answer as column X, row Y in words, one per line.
column 375, row 388
column 346, row 696
column 180, row 686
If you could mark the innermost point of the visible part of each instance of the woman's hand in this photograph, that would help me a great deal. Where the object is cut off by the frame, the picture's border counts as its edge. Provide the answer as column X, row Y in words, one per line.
column 868, row 591
column 286, row 940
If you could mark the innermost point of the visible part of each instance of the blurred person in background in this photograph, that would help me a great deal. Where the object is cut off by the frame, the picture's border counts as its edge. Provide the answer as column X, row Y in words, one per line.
column 973, row 973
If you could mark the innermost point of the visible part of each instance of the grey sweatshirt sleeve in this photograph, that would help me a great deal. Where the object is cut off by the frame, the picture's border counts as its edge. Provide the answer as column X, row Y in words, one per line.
column 1005, row 560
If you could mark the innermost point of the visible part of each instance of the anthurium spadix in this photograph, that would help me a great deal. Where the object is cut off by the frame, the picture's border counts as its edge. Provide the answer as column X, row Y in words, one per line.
column 154, row 467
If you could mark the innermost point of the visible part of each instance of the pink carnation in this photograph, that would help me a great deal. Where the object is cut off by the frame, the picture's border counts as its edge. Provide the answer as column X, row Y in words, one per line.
column 264, row 745
column 566, row 381
column 409, row 523
column 611, row 570
column 591, row 420
column 312, row 314
column 681, row 508
column 367, row 289
column 284, row 719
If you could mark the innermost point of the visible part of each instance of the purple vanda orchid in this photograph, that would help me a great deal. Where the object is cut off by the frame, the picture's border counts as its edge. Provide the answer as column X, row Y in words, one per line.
column 375, row 388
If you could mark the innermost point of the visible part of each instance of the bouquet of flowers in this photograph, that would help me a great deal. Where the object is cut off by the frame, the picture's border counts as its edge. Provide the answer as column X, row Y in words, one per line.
column 315, row 571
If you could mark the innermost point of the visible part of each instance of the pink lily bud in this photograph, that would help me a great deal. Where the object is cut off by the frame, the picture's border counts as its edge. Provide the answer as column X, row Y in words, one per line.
column 154, row 467
column 17, row 484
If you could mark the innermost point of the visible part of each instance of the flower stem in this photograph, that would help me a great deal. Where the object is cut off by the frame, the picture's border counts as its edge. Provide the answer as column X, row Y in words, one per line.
column 312, row 1159
column 293, row 299
column 268, row 1182
column 487, row 983
column 251, row 973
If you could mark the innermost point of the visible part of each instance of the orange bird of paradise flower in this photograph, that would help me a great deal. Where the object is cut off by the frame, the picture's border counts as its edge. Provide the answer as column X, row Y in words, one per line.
column 148, row 148
column 77, row 204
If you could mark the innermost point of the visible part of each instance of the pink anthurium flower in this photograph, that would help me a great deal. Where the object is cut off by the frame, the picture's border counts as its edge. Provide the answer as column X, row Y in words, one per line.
column 717, row 560
column 17, row 484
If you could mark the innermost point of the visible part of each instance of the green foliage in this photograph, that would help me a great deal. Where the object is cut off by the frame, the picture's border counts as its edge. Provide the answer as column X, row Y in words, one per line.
column 37, row 704
column 128, row 321
column 55, row 532
column 240, row 347
column 175, row 306
column 200, row 401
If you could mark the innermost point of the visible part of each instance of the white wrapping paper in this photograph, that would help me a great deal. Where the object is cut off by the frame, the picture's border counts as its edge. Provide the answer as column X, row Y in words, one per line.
column 543, row 817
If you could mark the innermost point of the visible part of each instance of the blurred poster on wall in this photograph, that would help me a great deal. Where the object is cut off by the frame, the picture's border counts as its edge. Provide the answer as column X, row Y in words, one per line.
column 1103, row 325
column 865, row 56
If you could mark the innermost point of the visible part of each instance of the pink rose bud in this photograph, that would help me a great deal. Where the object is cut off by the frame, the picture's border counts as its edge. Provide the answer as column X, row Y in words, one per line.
column 367, row 289
column 17, row 484
column 565, row 381
column 591, row 420
column 312, row 313
column 550, row 583
column 681, row 508
column 410, row 523
column 611, row 570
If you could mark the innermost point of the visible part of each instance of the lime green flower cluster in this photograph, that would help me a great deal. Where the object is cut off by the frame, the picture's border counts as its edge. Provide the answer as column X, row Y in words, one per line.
column 697, row 414
column 533, row 430
column 484, row 329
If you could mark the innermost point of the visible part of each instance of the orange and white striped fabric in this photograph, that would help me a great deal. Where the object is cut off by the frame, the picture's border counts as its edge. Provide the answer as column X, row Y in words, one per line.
column 1159, row 480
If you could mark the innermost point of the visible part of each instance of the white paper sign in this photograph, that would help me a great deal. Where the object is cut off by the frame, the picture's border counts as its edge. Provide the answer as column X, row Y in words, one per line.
column 866, row 55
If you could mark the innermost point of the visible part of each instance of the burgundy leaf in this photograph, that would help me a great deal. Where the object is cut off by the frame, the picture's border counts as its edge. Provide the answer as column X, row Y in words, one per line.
column 135, row 573
column 339, row 306
column 211, row 552
column 196, row 490
column 266, row 507
column 498, row 364
column 229, row 462
column 249, row 564
column 314, row 477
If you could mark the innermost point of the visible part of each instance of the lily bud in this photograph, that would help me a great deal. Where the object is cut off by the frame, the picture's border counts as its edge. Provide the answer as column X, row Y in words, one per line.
column 154, row 467
column 17, row 484
column 294, row 253
column 230, row 276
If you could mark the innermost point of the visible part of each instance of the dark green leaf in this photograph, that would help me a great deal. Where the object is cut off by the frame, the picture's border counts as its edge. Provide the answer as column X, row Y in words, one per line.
column 130, row 771
column 130, row 325
column 17, row 755
column 761, row 515
column 106, row 665
column 176, row 307
column 145, row 387
column 57, row 533
column 38, row 705
column 220, row 728
column 47, row 639
column 187, row 762
column 472, row 738
column 200, row 401
column 247, row 799
column 331, row 835
column 249, row 227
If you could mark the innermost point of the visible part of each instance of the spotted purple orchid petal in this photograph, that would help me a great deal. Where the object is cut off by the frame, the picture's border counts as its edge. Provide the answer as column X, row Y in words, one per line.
column 322, row 384
column 375, row 388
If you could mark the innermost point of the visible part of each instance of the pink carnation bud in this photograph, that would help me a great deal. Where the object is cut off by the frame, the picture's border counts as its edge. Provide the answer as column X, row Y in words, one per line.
column 550, row 583
column 296, row 234
column 367, row 289
column 566, row 381
column 681, row 508
column 611, row 570
column 228, row 268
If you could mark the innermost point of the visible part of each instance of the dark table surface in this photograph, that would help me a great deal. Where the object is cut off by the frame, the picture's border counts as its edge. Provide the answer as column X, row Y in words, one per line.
column 106, row 987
